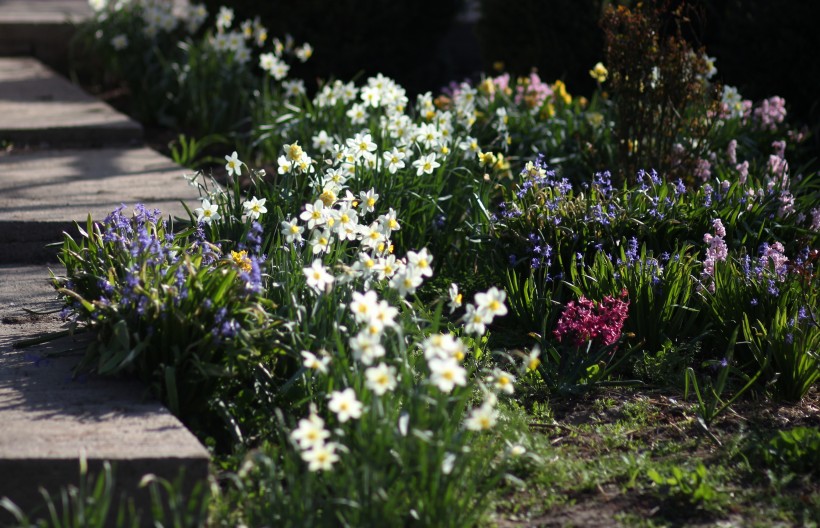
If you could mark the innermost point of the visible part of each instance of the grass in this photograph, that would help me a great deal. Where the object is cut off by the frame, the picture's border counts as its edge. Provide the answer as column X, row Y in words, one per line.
column 590, row 463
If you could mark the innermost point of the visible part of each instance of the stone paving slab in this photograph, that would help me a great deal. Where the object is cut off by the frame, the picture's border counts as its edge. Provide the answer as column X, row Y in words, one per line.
column 49, row 416
column 38, row 106
column 43, row 11
column 42, row 194
column 40, row 28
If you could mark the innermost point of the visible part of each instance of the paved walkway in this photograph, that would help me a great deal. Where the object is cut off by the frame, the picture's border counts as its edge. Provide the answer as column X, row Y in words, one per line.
column 69, row 156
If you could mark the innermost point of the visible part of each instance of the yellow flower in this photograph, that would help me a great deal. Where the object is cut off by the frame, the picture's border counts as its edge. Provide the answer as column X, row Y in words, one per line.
column 241, row 260
column 560, row 90
column 599, row 72
column 328, row 197
column 501, row 164
column 487, row 87
column 486, row 159
column 547, row 111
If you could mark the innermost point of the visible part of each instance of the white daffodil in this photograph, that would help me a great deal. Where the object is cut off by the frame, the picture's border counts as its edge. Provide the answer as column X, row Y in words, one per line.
column 207, row 213
column 255, row 207
column 426, row 164
column 318, row 277
column 420, row 262
column 321, row 457
column 345, row 405
column 503, row 381
column 311, row 432
column 445, row 374
column 380, row 379
column 234, row 166
column 455, row 298
column 491, row 303
column 366, row 347
column 313, row 362
column 292, row 231
column 482, row 418
column 394, row 160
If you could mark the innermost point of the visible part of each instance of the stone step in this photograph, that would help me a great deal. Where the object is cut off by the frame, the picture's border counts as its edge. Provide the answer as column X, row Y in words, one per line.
column 49, row 417
column 42, row 194
column 40, row 28
column 39, row 107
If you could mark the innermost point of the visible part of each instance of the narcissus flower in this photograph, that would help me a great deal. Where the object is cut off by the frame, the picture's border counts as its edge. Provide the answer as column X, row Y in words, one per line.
column 381, row 378
column 599, row 72
column 446, row 374
column 255, row 207
column 311, row 432
column 317, row 276
column 345, row 405
column 482, row 418
column 234, row 166
column 321, row 457
column 207, row 213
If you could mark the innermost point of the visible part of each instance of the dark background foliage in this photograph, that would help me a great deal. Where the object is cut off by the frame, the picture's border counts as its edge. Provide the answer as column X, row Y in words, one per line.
column 762, row 47
column 399, row 38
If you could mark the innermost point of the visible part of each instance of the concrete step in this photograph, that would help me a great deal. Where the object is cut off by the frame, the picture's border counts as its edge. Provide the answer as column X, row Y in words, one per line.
column 40, row 28
column 42, row 194
column 49, row 417
column 39, row 107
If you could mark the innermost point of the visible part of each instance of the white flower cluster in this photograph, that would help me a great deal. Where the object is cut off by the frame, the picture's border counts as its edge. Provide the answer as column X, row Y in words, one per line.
column 423, row 144
column 157, row 16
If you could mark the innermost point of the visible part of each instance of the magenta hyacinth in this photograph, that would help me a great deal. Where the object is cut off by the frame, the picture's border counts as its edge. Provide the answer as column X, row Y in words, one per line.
column 587, row 320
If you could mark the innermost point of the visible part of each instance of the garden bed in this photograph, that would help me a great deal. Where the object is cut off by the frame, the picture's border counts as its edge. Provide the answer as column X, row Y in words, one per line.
column 499, row 304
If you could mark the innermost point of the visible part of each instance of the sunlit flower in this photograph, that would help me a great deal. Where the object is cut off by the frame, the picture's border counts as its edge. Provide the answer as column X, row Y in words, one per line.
column 533, row 359
column 321, row 141
column 318, row 277
column 381, row 378
column 345, row 405
column 445, row 374
column 482, row 418
column 366, row 347
column 241, row 260
column 255, row 207
column 311, row 432
column 443, row 346
column 321, row 457
column 599, row 72
column 313, row 362
column 207, row 213
column 474, row 320
column 426, row 164
column 314, row 214
column 491, row 303
column 455, row 298
column 292, row 231
column 421, row 262
column 406, row 281
column 364, row 305
column 502, row 381
column 304, row 52
column 234, row 166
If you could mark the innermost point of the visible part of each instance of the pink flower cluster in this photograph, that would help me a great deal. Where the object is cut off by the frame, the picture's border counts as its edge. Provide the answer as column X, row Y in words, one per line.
column 534, row 92
column 775, row 253
column 717, row 250
column 586, row 320
column 770, row 113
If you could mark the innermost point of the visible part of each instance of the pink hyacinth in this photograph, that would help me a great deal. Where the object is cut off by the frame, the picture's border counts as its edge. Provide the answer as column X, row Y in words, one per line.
column 585, row 320
column 535, row 92
column 717, row 250
column 775, row 254
column 770, row 113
